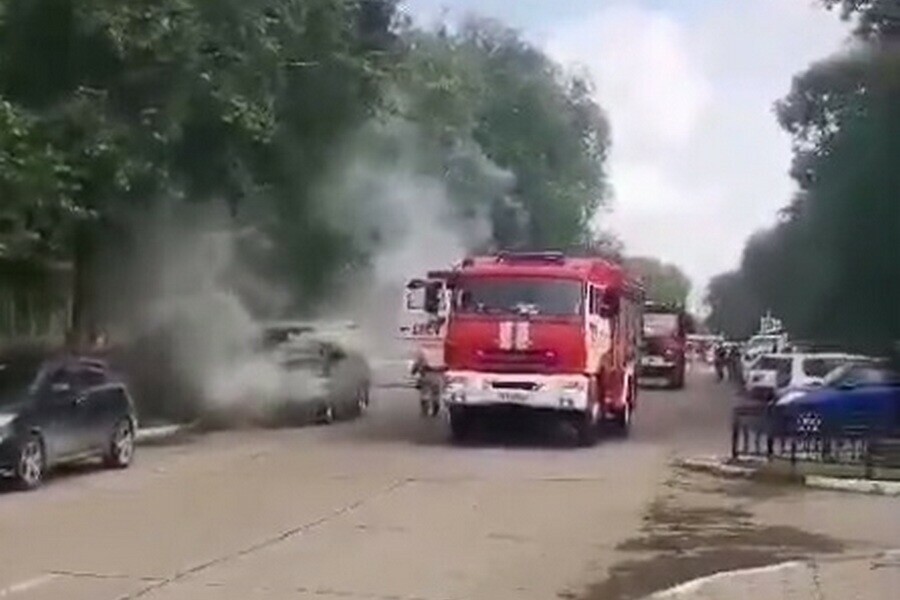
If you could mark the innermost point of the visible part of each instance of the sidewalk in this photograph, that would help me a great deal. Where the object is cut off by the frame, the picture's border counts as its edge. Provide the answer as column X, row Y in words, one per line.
column 146, row 436
column 872, row 578
column 839, row 478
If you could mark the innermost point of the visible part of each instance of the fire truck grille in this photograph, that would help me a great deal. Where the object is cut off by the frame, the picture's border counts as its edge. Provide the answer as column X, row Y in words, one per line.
column 528, row 386
column 516, row 361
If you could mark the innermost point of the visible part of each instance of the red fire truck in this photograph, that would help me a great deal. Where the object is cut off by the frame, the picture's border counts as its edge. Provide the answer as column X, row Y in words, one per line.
column 545, row 333
column 665, row 342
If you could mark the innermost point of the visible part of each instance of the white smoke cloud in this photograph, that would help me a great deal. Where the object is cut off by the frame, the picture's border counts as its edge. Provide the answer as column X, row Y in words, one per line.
column 393, row 193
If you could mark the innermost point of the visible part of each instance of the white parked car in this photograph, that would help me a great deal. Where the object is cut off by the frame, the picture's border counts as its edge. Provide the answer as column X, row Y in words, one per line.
column 834, row 378
column 760, row 345
column 771, row 374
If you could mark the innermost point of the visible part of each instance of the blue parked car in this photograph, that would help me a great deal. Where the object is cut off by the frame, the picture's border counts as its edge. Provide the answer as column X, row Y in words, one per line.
column 857, row 398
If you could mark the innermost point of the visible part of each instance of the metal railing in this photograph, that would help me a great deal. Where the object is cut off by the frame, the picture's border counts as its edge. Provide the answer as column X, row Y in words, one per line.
column 763, row 432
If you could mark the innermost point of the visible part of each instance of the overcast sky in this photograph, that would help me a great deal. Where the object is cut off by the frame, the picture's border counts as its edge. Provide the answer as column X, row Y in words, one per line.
column 698, row 161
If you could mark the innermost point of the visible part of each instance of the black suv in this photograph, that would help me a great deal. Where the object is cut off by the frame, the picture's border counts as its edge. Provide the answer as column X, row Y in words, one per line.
column 62, row 411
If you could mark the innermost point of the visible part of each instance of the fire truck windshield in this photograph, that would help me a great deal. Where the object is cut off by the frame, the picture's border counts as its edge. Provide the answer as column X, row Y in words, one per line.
column 523, row 296
column 660, row 324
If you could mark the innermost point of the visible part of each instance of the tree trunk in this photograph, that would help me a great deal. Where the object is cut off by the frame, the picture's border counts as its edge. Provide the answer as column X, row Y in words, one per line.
column 82, row 255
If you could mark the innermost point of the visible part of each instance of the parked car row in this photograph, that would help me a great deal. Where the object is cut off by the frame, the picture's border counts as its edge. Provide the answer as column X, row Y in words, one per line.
column 824, row 395
column 77, row 408
column 770, row 376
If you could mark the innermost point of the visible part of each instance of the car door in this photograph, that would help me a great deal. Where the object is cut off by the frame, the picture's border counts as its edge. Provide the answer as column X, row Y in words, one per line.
column 58, row 412
column 93, row 418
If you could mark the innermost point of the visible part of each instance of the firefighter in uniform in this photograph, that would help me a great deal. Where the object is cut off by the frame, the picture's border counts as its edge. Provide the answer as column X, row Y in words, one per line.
column 429, row 382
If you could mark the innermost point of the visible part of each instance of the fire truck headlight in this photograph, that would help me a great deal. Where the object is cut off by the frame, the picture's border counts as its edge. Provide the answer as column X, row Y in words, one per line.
column 457, row 382
column 574, row 386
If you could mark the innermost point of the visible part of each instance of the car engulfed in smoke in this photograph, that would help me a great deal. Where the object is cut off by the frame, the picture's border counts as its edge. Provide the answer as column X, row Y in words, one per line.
column 297, row 372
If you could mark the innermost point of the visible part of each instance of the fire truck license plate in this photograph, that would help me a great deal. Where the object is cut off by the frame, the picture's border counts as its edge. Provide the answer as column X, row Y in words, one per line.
column 513, row 396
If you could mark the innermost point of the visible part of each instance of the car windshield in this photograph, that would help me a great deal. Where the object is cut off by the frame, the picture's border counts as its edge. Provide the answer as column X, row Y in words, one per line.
column 862, row 375
column 522, row 296
column 820, row 367
column 660, row 324
column 15, row 379
column 276, row 336
column 773, row 363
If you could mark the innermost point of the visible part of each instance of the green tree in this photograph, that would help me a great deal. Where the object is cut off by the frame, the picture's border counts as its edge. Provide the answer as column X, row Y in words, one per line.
column 484, row 86
column 114, row 112
column 546, row 128
column 663, row 282
column 829, row 267
column 163, row 102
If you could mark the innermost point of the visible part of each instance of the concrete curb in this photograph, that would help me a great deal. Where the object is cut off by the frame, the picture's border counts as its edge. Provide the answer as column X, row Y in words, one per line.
column 716, row 466
column 763, row 471
column 865, row 577
column 155, row 435
column 696, row 587
column 859, row 486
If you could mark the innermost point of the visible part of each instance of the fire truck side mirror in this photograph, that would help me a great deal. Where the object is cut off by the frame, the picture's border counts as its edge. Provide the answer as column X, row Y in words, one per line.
column 609, row 305
column 433, row 299
column 415, row 297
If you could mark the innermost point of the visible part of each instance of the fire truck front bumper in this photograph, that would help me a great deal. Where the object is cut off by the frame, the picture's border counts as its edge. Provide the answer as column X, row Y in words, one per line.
column 557, row 392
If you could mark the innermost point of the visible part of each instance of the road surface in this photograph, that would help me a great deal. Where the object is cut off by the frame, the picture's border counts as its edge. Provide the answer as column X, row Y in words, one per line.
column 385, row 509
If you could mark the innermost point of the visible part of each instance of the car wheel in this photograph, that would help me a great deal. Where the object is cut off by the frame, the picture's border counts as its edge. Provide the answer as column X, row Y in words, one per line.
column 362, row 400
column 31, row 464
column 120, row 451
column 328, row 415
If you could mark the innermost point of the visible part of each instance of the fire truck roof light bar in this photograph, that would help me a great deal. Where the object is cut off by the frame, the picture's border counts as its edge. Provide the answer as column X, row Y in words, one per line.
column 550, row 257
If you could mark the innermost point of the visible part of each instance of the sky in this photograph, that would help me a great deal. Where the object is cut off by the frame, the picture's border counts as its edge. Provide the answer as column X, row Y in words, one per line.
column 698, row 161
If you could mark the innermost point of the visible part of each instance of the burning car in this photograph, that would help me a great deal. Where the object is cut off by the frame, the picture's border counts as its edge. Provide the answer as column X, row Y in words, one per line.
column 298, row 372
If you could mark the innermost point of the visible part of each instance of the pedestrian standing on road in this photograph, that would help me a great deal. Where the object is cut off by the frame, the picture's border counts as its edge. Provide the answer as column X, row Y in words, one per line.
column 719, row 360
column 734, row 363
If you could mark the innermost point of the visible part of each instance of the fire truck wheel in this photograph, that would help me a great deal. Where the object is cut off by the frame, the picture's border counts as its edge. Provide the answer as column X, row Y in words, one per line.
column 586, row 430
column 622, row 421
column 677, row 381
column 460, row 424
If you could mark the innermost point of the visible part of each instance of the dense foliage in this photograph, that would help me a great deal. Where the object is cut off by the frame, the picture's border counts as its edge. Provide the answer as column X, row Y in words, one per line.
column 112, row 113
column 663, row 282
column 830, row 267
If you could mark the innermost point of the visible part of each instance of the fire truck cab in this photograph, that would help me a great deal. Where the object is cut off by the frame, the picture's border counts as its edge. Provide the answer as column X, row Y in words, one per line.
column 664, row 355
column 545, row 333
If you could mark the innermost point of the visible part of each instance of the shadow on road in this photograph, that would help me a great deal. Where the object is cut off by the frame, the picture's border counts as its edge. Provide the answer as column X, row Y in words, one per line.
column 58, row 475
column 512, row 432
column 695, row 418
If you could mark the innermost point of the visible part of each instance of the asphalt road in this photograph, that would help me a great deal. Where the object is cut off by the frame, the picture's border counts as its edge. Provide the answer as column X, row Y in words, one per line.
column 386, row 509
